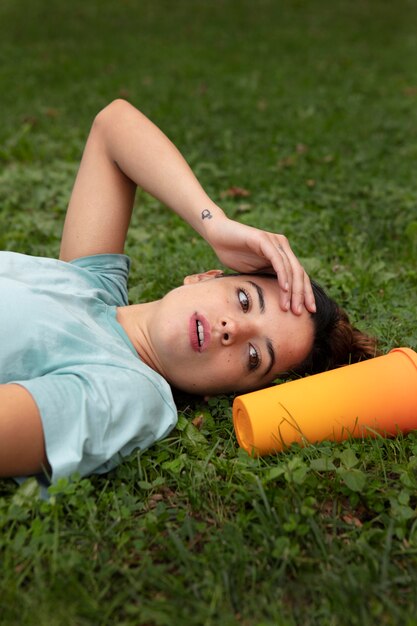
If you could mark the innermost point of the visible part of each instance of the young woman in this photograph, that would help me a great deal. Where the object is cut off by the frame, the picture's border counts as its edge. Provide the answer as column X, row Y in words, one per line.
column 84, row 377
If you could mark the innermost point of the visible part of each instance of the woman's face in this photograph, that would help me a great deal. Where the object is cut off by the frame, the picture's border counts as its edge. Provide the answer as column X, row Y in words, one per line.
column 215, row 335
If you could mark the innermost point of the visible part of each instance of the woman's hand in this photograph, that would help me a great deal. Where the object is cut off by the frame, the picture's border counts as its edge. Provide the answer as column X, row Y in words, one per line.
column 247, row 249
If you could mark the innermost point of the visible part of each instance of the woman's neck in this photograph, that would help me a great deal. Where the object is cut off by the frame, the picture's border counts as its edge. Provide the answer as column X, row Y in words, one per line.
column 134, row 319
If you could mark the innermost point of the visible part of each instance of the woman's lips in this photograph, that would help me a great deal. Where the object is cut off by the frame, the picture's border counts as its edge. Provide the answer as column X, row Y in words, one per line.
column 199, row 330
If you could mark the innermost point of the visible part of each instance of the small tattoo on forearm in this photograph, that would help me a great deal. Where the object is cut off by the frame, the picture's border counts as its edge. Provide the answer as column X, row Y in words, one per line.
column 206, row 214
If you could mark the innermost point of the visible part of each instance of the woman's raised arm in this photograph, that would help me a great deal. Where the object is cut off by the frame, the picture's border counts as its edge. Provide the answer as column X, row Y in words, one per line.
column 124, row 150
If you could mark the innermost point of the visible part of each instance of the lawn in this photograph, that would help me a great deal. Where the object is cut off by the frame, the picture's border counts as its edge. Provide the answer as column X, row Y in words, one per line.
column 311, row 108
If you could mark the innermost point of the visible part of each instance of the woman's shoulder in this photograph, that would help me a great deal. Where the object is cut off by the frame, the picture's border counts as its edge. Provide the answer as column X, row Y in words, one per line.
column 105, row 275
column 107, row 272
column 102, row 262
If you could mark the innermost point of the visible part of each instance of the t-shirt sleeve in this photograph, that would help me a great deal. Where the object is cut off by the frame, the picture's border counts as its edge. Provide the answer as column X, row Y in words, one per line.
column 93, row 419
column 109, row 273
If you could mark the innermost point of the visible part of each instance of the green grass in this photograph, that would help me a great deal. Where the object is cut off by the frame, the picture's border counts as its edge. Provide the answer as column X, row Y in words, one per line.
column 312, row 107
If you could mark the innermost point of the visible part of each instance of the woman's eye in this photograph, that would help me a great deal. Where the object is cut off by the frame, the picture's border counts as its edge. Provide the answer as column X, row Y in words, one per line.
column 243, row 299
column 253, row 358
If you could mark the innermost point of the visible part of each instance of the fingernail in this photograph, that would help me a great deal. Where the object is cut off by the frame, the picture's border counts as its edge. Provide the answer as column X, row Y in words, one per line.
column 287, row 305
column 286, row 287
column 299, row 308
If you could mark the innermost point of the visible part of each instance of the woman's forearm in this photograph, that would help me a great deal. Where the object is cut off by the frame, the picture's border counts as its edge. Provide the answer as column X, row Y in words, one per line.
column 148, row 158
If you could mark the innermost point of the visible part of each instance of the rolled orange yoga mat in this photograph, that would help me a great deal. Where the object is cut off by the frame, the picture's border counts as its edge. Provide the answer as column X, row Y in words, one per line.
column 363, row 399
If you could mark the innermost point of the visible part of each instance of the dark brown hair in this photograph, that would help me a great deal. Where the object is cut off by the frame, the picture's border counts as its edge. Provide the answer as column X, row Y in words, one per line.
column 336, row 341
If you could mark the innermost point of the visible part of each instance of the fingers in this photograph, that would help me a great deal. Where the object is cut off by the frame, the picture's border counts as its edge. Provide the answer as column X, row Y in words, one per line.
column 296, row 290
column 273, row 251
column 309, row 299
column 284, row 272
column 302, row 294
column 300, row 291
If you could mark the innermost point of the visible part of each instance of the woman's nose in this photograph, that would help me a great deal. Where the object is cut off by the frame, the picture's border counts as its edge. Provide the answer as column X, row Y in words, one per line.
column 231, row 331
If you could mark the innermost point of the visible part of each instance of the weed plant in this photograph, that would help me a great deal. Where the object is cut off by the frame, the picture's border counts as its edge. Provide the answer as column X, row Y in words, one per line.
column 311, row 107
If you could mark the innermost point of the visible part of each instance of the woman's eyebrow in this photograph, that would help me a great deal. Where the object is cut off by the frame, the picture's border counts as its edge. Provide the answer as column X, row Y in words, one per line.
column 260, row 293
column 271, row 356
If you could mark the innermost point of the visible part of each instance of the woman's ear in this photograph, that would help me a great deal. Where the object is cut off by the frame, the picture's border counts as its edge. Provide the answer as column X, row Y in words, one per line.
column 198, row 278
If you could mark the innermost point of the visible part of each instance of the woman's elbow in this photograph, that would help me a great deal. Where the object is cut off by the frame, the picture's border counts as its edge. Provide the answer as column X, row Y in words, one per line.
column 112, row 111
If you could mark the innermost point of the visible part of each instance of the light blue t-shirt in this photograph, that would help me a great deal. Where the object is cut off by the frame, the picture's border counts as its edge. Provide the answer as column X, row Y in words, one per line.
column 59, row 338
